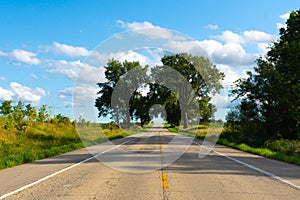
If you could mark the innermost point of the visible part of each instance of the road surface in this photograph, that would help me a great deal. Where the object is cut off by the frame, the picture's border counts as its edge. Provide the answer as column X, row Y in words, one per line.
column 223, row 174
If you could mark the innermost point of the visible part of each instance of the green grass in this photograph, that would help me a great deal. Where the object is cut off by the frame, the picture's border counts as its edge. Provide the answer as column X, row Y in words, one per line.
column 37, row 142
column 265, row 152
column 262, row 152
column 42, row 140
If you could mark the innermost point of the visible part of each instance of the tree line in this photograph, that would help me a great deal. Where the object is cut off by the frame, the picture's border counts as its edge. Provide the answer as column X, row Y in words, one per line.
column 182, row 86
column 20, row 116
column 269, row 97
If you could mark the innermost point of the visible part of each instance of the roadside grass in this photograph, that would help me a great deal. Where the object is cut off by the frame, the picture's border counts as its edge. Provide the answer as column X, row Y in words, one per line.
column 42, row 140
column 38, row 141
column 282, row 152
column 99, row 133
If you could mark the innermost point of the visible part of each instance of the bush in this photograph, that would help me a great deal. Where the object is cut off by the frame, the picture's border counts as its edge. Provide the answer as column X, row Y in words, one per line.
column 288, row 147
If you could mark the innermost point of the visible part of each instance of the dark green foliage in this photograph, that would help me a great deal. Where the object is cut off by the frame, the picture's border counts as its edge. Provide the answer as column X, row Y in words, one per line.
column 6, row 108
column 270, row 96
column 191, row 77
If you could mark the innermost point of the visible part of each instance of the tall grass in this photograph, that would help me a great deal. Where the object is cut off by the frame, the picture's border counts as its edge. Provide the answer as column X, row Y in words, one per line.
column 42, row 140
column 38, row 141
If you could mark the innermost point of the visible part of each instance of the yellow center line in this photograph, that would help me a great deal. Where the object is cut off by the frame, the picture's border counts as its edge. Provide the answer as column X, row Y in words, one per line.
column 164, row 178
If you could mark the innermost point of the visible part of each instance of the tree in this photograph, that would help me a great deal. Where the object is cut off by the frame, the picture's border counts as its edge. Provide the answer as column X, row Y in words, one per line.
column 201, row 79
column 125, row 79
column 18, row 116
column 43, row 114
column 31, row 112
column 273, row 90
column 6, row 108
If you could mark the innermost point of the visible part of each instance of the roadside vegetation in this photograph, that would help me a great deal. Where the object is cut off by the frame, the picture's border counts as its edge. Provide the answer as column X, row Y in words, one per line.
column 266, row 119
column 28, row 133
column 282, row 150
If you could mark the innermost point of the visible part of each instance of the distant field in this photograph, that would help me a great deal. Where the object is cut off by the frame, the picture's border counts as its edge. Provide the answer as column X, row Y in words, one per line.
column 42, row 140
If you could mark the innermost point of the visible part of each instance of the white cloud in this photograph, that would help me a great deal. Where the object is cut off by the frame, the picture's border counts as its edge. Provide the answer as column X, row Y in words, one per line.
column 212, row 26
column 220, row 101
column 67, row 68
column 229, row 53
column 230, row 37
column 285, row 16
column 231, row 75
column 234, row 54
column 280, row 25
column 6, row 94
column 263, row 48
column 80, row 93
column 258, row 36
column 25, row 93
column 22, row 56
column 135, row 56
column 77, row 71
column 101, row 59
column 149, row 30
column 246, row 37
column 70, row 50
column 192, row 47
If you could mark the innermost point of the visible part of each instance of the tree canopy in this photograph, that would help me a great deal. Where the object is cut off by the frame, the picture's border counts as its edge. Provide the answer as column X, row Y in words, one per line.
column 182, row 82
column 270, row 95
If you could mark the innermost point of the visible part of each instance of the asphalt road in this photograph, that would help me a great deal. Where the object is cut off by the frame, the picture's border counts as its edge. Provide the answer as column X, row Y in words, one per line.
column 153, row 169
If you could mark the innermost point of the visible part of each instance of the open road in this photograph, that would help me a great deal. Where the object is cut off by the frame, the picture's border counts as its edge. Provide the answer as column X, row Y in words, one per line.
column 224, row 173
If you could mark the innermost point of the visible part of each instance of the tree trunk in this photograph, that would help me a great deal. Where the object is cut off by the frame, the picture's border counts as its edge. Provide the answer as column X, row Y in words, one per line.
column 185, row 120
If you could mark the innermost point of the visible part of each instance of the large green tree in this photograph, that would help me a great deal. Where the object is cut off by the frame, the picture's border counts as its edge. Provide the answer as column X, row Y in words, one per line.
column 124, row 79
column 183, row 83
column 201, row 78
column 273, row 90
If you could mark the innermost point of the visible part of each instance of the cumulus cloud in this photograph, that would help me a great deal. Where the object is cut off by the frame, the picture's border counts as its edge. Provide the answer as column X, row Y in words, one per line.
column 263, row 48
column 258, row 36
column 234, row 54
column 5, row 94
column 228, row 53
column 101, row 59
column 22, row 56
column 26, row 93
column 80, row 93
column 230, row 37
column 253, row 36
column 76, row 71
column 280, row 25
column 231, row 75
column 21, row 92
column 211, row 26
column 285, row 16
column 70, row 51
column 149, row 30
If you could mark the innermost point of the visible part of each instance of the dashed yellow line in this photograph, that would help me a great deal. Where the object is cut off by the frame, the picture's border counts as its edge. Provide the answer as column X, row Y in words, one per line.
column 164, row 178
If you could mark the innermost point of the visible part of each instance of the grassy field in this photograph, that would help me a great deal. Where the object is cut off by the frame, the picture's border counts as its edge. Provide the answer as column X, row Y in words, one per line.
column 42, row 140
column 278, row 150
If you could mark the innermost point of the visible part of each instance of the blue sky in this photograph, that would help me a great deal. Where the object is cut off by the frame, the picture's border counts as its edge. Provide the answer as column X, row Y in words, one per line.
column 44, row 44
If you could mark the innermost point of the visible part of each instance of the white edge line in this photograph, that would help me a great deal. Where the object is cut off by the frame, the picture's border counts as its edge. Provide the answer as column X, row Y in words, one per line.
column 257, row 169
column 59, row 172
